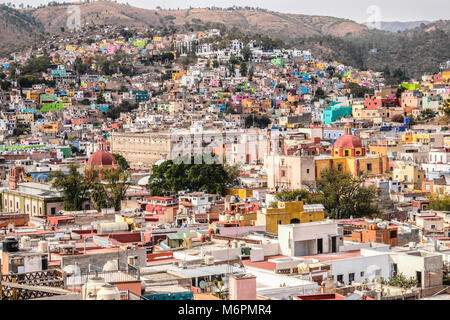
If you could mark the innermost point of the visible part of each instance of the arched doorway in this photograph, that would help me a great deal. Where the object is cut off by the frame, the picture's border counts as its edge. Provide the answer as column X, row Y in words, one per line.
column 295, row 221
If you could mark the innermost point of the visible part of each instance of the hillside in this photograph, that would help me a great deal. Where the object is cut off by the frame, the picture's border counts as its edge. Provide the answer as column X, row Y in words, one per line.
column 17, row 29
column 275, row 24
column 413, row 51
column 395, row 26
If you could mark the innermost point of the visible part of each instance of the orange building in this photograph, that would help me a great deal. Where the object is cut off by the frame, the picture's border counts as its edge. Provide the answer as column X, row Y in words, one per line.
column 373, row 233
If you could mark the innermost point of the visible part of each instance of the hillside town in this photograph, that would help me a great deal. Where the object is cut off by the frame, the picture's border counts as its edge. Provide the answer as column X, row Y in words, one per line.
column 162, row 165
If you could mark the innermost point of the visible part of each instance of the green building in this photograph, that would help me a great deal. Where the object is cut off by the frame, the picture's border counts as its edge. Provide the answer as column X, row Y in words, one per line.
column 334, row 112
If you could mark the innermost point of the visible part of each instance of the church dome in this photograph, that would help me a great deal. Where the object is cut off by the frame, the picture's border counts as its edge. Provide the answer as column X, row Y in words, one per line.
column 102, row 158
column 348, row 142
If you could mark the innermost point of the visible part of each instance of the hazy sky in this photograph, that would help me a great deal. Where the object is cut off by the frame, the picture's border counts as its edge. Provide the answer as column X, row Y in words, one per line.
column 384, row 10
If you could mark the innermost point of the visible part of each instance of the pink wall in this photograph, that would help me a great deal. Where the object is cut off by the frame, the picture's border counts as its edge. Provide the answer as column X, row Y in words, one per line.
column 242, row 288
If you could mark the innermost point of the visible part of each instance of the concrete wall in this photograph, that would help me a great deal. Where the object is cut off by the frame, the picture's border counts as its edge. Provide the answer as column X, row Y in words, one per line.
column 367, row 264
column 101, row 258
column 240, row 231
column 429, row 265
column 301, row 239
column 226, row 254
column 242, row 288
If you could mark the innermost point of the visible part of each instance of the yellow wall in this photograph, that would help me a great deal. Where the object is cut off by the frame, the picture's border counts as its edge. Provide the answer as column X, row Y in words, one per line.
column 285, row 212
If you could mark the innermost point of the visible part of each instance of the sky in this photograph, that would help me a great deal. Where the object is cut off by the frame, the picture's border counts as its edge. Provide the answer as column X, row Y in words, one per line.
column 358, row 10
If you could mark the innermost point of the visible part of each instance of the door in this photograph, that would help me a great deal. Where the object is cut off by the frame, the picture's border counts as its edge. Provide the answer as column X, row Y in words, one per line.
column 319, row 246
column 333, row 244
column 419, row 278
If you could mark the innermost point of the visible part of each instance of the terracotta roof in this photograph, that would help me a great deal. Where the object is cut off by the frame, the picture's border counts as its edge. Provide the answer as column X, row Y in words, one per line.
column 102, row 158
column 348, row 141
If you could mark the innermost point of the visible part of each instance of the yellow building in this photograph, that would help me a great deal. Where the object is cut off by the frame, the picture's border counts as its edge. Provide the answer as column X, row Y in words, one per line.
column 52, row 127
column 446, row 76
column 349, row 156
column 416, row 138
column 410, row 176
column 34, row 95
column 177, row 75
column 287, row 213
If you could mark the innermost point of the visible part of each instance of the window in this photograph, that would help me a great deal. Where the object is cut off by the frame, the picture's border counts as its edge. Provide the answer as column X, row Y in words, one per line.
column 433, row 226
column 283, row 173
column 279, row 221
column 369, row 167
column 307, row 170
column 346, row 153
column 351, row 277
column 362, row 273
column 340, row 278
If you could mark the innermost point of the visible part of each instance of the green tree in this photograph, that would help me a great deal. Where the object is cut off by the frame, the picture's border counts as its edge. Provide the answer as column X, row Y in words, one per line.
column 446, row 274
column 117, row 186
column 100, row 98
column 439, row 202
column 85, row 102
column 123, row 163
column 401, row 281
column 243, row 68
column 74, row 186
column 427, row 114
column 169, row 177
column 98, row 194
column 246, row 53
column 446, row 108
column 292, row 195
column 343, row 195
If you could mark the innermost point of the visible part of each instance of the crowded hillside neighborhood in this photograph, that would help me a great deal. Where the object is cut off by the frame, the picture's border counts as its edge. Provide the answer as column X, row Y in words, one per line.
column 155, row 164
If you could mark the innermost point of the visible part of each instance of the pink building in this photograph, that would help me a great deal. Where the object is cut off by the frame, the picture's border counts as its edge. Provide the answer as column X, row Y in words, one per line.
column 242, row 287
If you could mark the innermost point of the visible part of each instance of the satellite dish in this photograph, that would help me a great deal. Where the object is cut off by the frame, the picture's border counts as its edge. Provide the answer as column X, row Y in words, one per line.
column 202, row 284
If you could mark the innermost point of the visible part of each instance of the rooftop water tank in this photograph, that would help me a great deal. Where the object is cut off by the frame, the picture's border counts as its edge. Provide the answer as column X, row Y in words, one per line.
column 108, row 292
column 111, row 227
column 43, row 246
column 25, row 242
column 111, row 265
column 90, row 289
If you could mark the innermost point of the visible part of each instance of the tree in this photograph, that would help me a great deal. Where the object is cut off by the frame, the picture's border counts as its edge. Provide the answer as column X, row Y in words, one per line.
column 169, row 177
column 288, row 195
column 117, row 186
column 427, row 114
column 98, row 194
column 320, row 93
column 439, row 202
column 123, row 163
column 343, row 195
column 446, row 108
column 359, row 91
column 446, row 274
column 243, row 68
column 261, row 122
column 74, row 187
column 100, row 98
column 401, row 281
column 246, row 53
